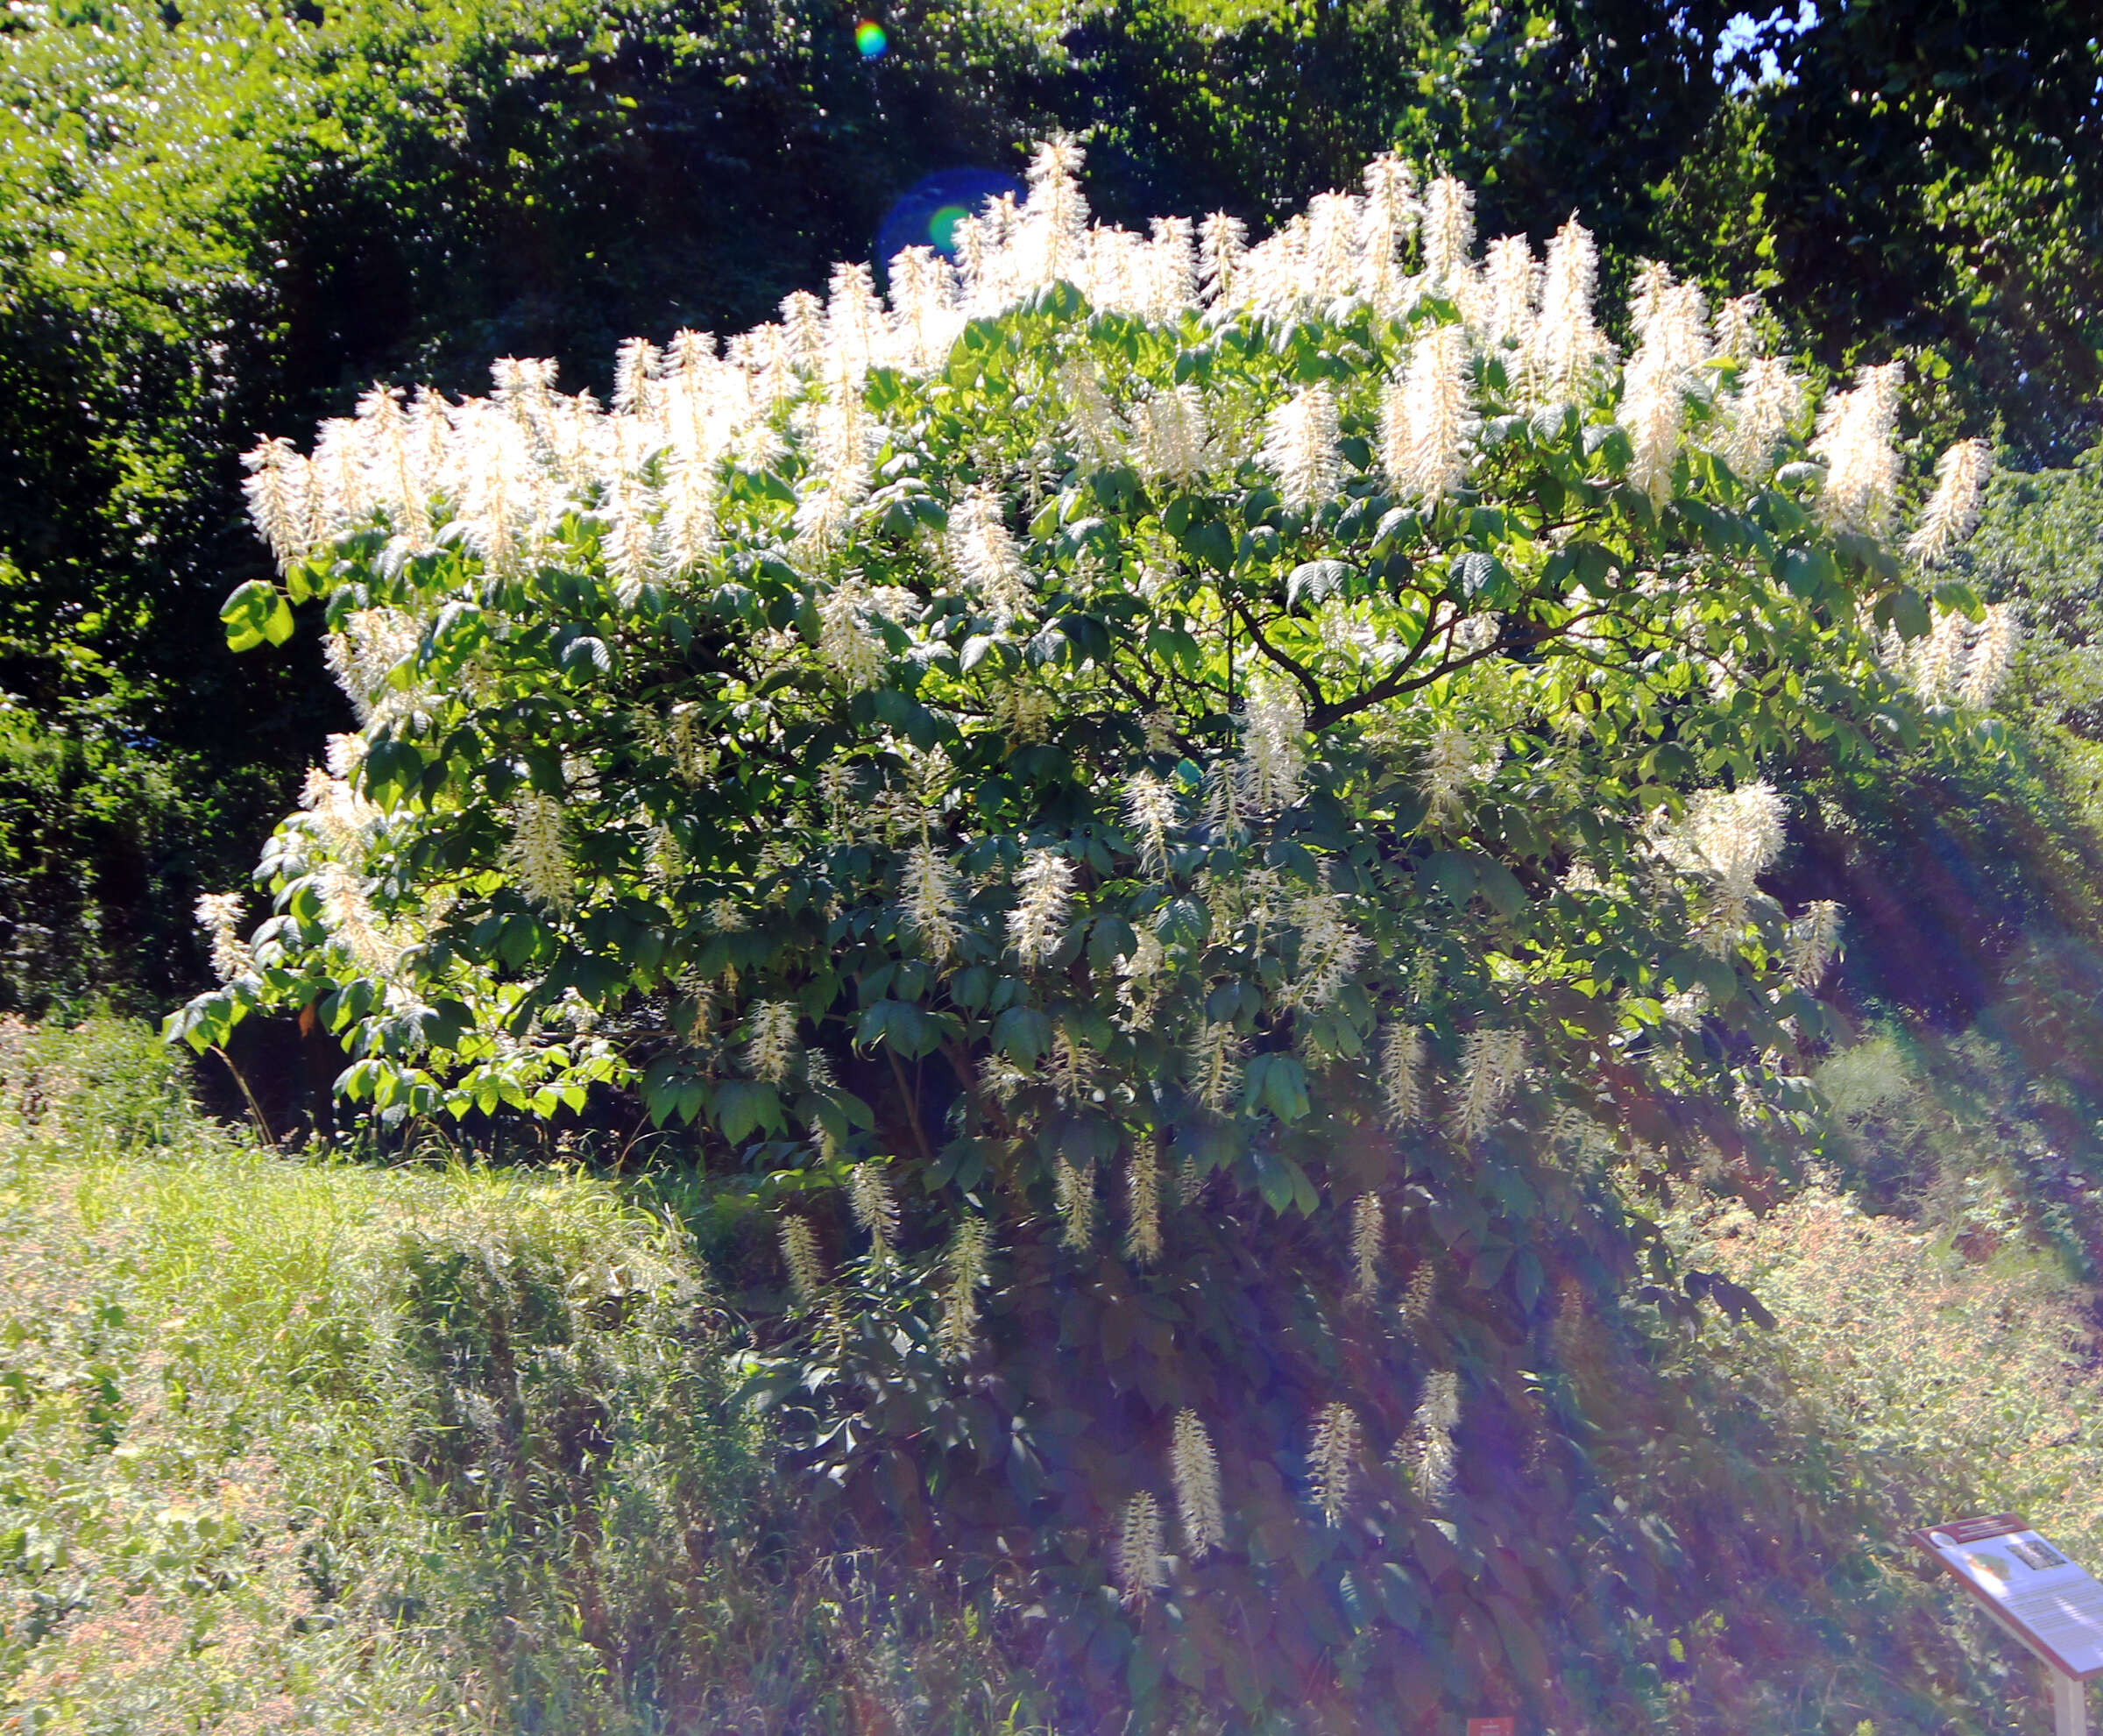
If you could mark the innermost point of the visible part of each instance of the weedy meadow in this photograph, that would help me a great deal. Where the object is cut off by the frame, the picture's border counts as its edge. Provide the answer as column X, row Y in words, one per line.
column 303, row 1443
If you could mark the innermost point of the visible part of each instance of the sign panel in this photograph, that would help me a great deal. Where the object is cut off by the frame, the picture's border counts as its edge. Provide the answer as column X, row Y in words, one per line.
column 2054, row 1607
column 1491, row 1727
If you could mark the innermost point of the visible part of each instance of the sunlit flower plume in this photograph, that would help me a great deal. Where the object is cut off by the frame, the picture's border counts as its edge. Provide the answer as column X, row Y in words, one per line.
column 1960, row 483
column 1566, row 345
column 876, row 1210
column 1448, row 234
column 1992, row 651
column 1074, row 1193
column 1853, row 436
column 1402, row 1073
column 773, row 1049
column 1813, row 937
column 538, row 853
column 1492, row 1064
column 1299, row 446
column 1730, row 837
column 985, row 554
column 1512, row 283
column 1274, row 752
column 964, row 1271
column 219, row 916
column 1044, row 886
column 1216, row 1065
column 1369, row 1222
column 1760, row 411
column 931, row 894
column 1143, row 1206
column 1426, row 421
column 800, row 1255
column 1151, row 813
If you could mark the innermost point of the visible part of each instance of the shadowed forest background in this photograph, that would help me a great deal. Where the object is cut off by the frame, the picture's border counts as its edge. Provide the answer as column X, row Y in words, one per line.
column 389, row 1436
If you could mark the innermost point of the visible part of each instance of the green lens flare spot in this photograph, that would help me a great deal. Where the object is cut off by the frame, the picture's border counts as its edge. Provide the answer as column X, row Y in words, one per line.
column 942, row 226
column 870, row 40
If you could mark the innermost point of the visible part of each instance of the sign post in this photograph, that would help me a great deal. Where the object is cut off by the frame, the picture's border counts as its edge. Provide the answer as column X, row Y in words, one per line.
column 2051, row 1607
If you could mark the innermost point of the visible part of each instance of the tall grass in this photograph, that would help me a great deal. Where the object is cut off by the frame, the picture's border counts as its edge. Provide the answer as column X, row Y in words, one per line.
column 308, row 1445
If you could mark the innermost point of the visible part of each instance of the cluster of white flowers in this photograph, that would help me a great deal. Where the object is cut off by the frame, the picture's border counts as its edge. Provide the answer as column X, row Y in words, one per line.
column 1143, row 1206
column 774, row 1048
column 1426, row 421
column 1331, row 1457
column 1960, row 483
column 1073, row 1192
column 1402, row 1073
column 347, row 910
column 1168, row 439
column 1492, row 1064
column 965, row 1273
column 1274, row 746
column 1194, row 1468
column 1215, row 1064
column 646, row 469
column 1301, row 447
column 1428, row 1446
column 1141, row 1563
column 1330, row 949
column 538, row 853
column 1813, row 937
column 1045, row 890
column 845, row 640
column 1150, row 811
column 1672, row 333
column 931, row 896
column 1730, row 837
column 362, row 658
column 1854, row 438
column 984, row 551
column 219, row 916
column 1455, row 758
column 876, row 1210
column 799, row 1254
column 1957, row 659
column 1369, row 1228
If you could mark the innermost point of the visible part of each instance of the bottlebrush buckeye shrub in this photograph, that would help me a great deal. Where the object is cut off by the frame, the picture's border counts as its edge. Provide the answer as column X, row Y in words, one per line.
column 1167, row 804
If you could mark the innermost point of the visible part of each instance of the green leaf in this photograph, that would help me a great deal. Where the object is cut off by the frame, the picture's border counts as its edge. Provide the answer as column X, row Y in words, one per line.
column 744, row 1106
column 255, row 614
column 1023, row 1035
column 1183, row 922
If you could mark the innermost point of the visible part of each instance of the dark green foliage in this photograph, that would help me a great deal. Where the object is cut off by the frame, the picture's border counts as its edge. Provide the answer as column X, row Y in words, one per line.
column 2040, row 544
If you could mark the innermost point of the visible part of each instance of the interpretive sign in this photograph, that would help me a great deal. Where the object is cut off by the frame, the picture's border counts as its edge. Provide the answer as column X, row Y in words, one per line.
column 2054, row 1607
column 1491, row 1727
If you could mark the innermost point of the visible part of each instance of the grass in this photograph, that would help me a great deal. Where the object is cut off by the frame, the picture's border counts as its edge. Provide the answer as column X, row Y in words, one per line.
column 304, row 1444
column 308, row 1445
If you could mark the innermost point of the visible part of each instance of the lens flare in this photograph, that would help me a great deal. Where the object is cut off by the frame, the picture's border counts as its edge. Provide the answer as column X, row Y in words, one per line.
column 929, row 213
column 870, row 40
